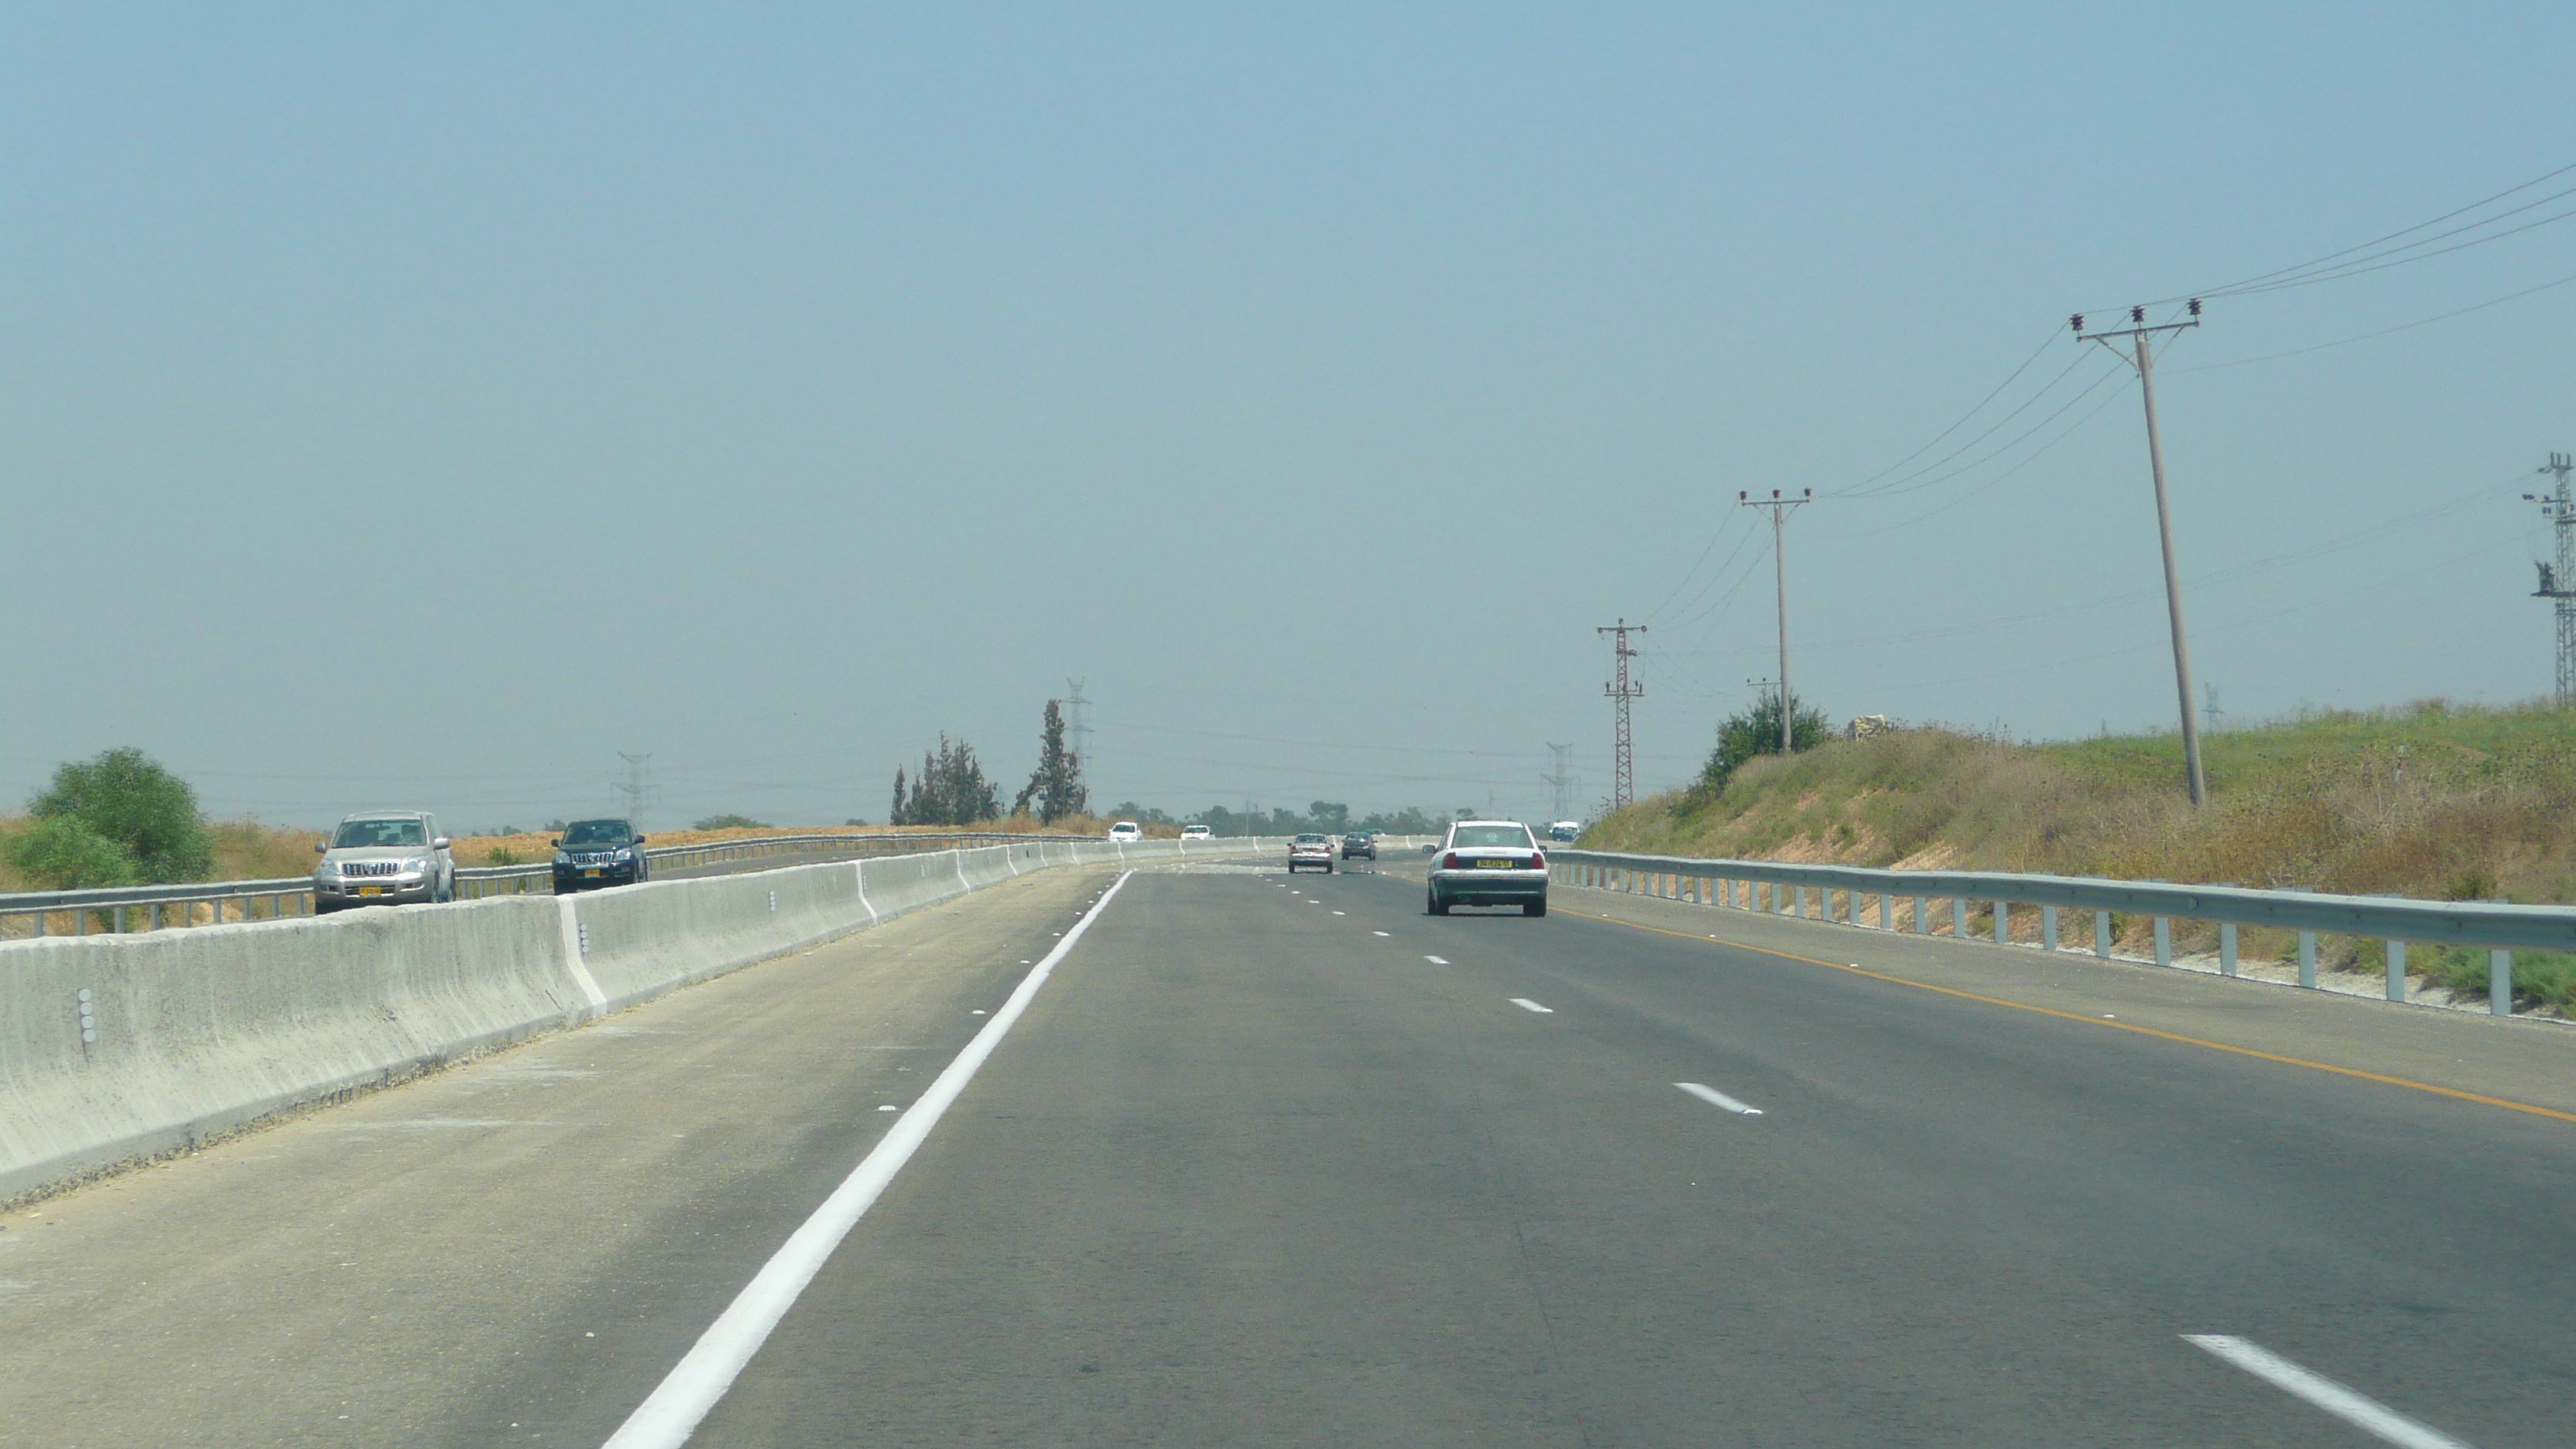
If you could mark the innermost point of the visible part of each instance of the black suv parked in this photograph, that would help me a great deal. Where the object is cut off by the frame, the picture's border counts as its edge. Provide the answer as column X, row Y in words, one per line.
column 1359, row 843
column 595, row 853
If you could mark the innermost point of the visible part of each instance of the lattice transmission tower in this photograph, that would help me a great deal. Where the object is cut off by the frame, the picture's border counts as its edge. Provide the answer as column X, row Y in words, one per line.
column 1562, row 782
column 1623, row 764
column 1077, row 721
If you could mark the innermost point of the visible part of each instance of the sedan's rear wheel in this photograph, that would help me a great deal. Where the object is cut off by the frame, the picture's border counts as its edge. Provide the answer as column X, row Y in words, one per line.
column 1433, row 905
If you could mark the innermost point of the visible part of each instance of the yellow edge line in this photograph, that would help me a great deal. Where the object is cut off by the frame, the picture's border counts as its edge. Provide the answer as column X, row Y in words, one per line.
column 2216, row 1046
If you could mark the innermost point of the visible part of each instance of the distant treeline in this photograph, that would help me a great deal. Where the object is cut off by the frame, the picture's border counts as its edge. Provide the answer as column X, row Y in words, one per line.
column 1328, row 816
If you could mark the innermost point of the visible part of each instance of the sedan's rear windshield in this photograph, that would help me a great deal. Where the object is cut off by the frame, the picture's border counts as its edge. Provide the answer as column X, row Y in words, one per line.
column 1312, row 840
column 1489, row 835
column 367, row 834
column 596, row 832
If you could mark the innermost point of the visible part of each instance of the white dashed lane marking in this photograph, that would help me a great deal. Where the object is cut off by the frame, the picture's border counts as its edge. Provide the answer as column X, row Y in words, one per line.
column 1525, row 1004
column 2370, row 1417
column 1437, row 960
column 1381, row 933
column 1716, row 1098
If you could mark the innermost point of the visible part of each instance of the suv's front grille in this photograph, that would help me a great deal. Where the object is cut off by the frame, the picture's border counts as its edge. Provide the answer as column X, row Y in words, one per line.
column 370, row 867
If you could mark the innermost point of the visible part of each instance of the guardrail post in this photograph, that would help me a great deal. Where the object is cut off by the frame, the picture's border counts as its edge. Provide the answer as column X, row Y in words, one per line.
column 2397, row 971
column 2003, row 920
column 2308, row 959
column 2102, row 934
column 2500, row 982
column 1958, row 918
column 1922, row 920
column 2227, row 948
column 1802, row 903
column 151, row 916
column 2164, row 941
column 2048, row 928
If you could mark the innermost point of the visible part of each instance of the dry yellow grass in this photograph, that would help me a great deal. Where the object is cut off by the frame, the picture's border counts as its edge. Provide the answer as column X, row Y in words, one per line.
column 2430, row 801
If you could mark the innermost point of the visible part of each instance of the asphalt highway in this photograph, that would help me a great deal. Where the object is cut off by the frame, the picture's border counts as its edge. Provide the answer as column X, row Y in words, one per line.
column 1275, row 1160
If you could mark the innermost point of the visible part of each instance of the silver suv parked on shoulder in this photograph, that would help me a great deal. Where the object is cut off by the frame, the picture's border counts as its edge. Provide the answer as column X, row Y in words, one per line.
column 384, row 858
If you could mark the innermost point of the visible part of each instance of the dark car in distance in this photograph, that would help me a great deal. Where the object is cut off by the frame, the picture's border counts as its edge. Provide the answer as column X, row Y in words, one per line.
column 596, row 853
column 1359, row 845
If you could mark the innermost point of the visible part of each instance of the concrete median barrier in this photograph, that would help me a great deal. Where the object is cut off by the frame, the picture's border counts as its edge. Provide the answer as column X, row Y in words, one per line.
column 120, row 1047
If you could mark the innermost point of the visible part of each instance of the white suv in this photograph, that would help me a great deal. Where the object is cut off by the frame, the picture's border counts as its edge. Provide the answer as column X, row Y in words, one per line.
column 383, row 858
column 1126, row 832
column 1197, row 832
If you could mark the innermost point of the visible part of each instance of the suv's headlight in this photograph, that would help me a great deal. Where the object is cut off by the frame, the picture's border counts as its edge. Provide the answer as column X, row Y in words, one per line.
column 563, row 857
column 416, row 863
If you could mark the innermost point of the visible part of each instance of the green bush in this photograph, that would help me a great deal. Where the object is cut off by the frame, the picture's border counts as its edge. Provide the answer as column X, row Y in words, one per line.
column 2543, row 976
column 125, row 797
column 725, row 822
column 65, row 855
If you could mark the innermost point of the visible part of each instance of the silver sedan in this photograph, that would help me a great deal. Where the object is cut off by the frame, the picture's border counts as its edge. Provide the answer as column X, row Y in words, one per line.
column 1489, row 863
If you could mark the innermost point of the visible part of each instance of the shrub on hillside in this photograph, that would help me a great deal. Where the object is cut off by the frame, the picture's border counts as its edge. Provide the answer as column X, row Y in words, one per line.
column 60, row 853
column 725, row 822
column 1749, row 733
column 125, row 797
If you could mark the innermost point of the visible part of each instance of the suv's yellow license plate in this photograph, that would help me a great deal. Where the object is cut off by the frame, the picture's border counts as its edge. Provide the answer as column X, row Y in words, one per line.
column 590, row 875
column 1498, row 865
column 371, row 890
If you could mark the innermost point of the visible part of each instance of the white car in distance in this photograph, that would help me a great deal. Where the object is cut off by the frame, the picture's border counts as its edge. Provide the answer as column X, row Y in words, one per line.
column 1126, row 832
column 1197, row 832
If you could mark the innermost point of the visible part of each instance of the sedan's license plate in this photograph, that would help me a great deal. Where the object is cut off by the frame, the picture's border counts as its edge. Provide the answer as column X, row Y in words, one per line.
column 371, row 890
column 1498, row 865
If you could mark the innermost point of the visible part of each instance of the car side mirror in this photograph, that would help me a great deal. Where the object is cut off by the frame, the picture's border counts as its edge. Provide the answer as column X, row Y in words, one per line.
column 639, row 840
column 557, row 842
column 321, row 847
column 439, row 844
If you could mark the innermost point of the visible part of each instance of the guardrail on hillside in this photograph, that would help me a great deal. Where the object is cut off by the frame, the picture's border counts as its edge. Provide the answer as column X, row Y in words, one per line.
column 1767, row 886
column 119, row 909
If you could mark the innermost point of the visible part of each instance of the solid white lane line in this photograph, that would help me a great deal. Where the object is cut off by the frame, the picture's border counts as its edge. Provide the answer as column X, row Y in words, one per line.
column 667, row 1417
column 1716, row 1098
column 1525, row 1004
column 2363, row 1414
column 1437, row 960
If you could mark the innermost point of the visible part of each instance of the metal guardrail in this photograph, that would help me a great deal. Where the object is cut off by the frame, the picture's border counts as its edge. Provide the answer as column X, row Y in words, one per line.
column 118, row 909
column 1767, row 886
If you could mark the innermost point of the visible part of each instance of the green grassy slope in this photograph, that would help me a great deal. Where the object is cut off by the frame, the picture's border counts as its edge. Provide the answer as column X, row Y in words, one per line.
column 2432, row 801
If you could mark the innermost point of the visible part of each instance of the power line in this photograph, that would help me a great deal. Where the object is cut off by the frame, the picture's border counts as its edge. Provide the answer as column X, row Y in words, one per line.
column 2230, row 574
column 2377, row 241
column 2044, row 345
column 2382, row 332
column 1909, row 483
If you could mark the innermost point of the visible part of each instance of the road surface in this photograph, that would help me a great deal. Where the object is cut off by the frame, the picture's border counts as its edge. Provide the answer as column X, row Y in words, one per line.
column 1274, row 1160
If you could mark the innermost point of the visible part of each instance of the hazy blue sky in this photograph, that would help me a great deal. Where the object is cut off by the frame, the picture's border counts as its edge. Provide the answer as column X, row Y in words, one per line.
column 403, row 405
